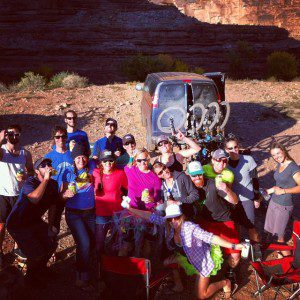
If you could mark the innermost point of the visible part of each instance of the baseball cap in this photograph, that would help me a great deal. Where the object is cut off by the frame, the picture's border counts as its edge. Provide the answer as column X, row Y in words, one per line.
column 39, row 161
column 173, row 211
column 111, row 120
column 220, row 153
column 162, row 138
column 128, row 138
column 78, row 150
column 195, row 168
column 107, row 155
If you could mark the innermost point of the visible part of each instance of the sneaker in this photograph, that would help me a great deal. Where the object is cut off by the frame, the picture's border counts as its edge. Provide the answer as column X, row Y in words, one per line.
column 19, row 254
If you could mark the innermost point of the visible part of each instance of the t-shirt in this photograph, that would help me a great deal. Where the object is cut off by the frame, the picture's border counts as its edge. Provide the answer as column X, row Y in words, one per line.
column 243, row 185
column 215, row 208
column 137, row 182
column 227, row 175
column 123, row 160
column 109, row 191
column 285, row 180
column 84, row 197
column 60, row 162
column 26, row 213
column 114, row 144
column 80, row 137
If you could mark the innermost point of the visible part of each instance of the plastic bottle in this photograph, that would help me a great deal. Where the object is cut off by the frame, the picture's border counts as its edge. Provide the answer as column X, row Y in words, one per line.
column 246, row 249
column 145, row 194
column 72, row 187
column 218, row 180
column 264, row 194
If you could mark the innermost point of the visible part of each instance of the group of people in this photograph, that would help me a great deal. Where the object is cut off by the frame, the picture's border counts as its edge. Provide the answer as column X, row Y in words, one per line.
column 199, row 208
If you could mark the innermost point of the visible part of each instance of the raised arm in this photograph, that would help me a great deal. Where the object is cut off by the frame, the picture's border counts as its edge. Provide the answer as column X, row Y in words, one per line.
column 193, row 146
column 223, row 243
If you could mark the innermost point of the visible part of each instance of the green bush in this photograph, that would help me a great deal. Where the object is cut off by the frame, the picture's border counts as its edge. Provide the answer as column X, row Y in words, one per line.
column 74, row 81
column 199, row 70
column 3, row 87
column 139, row 66
column 240, row 59
column 31, row 81
column 282, row 65
column 57, row 79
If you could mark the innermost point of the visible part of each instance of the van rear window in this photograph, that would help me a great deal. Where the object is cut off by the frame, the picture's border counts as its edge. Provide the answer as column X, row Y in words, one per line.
column 204, row 93
column 172, row 95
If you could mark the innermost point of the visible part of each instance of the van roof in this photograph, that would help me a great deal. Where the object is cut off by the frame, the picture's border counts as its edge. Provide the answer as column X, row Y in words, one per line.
column 162, row 76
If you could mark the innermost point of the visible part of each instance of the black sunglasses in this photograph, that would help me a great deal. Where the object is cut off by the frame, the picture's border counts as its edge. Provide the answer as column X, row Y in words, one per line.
column 174, row 218
column 108, row 160
column 110, row 124
column 223, row 160
column 45, row 164
column 12, row 134
column 197, row 175
column 142, row 159
column 161, row 171
column 71, row 118
column 231, row 148
column 162, row 143
column 129, row 143
column 57, row 137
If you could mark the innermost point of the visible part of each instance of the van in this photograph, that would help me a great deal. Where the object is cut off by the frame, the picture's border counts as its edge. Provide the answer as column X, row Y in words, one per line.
column 191, row 102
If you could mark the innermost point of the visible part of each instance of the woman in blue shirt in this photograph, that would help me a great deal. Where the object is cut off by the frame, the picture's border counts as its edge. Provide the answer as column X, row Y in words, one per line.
column 78, row 191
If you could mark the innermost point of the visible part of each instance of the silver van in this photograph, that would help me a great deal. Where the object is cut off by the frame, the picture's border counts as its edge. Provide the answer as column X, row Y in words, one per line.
column 191, row 102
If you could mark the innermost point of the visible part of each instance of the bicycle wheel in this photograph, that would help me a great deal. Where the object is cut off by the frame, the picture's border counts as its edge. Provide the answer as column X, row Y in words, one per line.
column 177, row 113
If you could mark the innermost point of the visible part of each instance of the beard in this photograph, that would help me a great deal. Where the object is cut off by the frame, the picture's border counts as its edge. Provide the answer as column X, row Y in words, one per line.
column 199, row 183
column 13, row 141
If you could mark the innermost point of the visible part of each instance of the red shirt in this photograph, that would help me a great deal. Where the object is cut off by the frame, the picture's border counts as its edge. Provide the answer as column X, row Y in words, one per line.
column 108, row 198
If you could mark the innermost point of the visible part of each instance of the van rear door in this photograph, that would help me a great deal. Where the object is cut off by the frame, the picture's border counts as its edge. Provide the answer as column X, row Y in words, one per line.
column 219, row 80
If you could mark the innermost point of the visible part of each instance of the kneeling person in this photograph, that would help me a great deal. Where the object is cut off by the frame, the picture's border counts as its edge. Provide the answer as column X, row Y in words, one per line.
column 36, row 238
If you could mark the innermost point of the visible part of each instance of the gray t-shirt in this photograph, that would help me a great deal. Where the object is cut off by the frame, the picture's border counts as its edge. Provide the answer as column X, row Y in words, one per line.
column 285, row 180
column 242, row 184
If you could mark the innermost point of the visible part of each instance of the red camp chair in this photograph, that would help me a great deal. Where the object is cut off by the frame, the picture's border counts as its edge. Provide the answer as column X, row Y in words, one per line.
column 280, row 272
column 133, row 266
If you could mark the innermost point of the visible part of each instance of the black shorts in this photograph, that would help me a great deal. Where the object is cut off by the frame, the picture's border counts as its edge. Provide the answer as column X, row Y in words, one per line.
column 240, row 217
column 6, row 205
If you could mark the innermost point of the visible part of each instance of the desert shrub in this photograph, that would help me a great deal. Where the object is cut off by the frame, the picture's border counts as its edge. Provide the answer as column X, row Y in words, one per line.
column 57, row 79
column 282, row 65
column 139, row 66
column 31, row 81
column 198, row 70
column 3, row 87
column 46, row 71
column 74, row 81
column 272, row 79
column 240, row 59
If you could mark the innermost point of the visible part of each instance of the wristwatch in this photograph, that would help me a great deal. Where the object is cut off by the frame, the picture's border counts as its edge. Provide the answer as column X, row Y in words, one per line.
column 233, row 246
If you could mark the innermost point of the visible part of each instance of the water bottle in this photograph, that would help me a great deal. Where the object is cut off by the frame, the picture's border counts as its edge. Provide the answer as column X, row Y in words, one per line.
column 72, row 187
column 246, row 249
column 264, row 194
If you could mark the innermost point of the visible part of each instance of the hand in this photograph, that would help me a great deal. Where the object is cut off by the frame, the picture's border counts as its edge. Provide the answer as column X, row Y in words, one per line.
column 240, row 246
column 72, row 144
column 68, row 194
column 222, row 186
column 2, row 136
column 148, row 199
column 125, row 202
column 256, row 204
column 180, row 136
column 118, row 153
column 271, row 190
column 47, row 175
column 278, row 190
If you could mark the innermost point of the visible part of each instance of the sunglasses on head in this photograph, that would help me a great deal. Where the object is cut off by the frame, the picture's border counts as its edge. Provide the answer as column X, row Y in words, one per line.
column 223, row 160
column 12, row 134
column 161, row 171
column 129, row 143
column 57, row 137
column 231, row 148
column 162, row 143
column 139, row 160
column 45, row 164
column 71, row 118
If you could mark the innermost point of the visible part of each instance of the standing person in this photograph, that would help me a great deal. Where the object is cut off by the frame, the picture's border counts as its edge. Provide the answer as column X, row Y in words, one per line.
column 174, row 161
column 110, row 185
column 245, row 185
column 216, row 214
column 74, row 135
column 129, row 145
column 80, row 211
column 192, row 247
column 35, row 237
column 110, row 141
column 15, row 162
column 61, row 160
column 287, row 180
column 177, row 187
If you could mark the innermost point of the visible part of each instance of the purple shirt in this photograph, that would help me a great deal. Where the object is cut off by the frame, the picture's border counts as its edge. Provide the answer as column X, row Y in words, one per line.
column 137, row 182
column 195, row 242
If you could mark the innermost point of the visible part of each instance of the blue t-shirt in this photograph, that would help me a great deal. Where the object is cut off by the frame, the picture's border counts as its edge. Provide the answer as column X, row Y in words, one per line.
column 26, row 213
column 115, row 144
column 60, row 162
column 84, row 197
column 80, row 137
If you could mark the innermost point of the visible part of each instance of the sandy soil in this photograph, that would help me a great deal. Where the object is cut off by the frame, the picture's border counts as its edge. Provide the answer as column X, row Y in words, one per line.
column 260, row 111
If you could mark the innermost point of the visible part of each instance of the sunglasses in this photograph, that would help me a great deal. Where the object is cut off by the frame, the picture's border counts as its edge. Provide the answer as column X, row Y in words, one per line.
column 139, row 160
column 71, row 118
column 175, row 218
column 161, row 171
column 197, row 175
column 129, row 143
column 57, row 137
column 108, row 161
column 110, row 124
column 12, row 134
column 223, row 160
column 162, row 143
column 45, row 164
column 231, row 148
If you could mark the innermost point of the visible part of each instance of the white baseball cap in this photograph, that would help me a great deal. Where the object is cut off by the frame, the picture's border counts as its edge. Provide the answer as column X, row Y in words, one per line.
column 173, row 211
column 195, row 168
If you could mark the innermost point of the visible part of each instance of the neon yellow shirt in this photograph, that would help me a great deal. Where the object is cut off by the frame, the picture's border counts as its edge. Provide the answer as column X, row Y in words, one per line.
column 227, row 175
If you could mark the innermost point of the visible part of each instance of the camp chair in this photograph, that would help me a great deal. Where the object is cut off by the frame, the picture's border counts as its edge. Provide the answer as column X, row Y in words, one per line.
column 134, row 266
column 280, row 272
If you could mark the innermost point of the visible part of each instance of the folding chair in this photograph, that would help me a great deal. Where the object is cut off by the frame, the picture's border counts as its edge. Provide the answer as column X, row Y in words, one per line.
column 280, row 272
column 133, row 266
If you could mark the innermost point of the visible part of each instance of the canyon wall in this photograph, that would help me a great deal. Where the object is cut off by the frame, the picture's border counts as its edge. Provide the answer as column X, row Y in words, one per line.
column 93, row 38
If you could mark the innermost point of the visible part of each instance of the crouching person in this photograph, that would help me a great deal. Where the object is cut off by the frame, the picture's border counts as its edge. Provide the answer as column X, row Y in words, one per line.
column 36, row 238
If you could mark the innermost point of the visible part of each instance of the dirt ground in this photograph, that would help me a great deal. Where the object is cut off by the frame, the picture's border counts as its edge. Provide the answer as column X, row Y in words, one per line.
column 260, row 112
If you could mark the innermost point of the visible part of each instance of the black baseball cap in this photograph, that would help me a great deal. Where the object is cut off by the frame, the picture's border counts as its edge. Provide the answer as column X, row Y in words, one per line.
column 41, row 160
column 107, row 155
column 128, row 138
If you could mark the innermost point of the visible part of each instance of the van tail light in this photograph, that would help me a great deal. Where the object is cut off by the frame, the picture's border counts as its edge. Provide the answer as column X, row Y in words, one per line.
column 219, row 98
column 155, row 101
column 187, row 80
